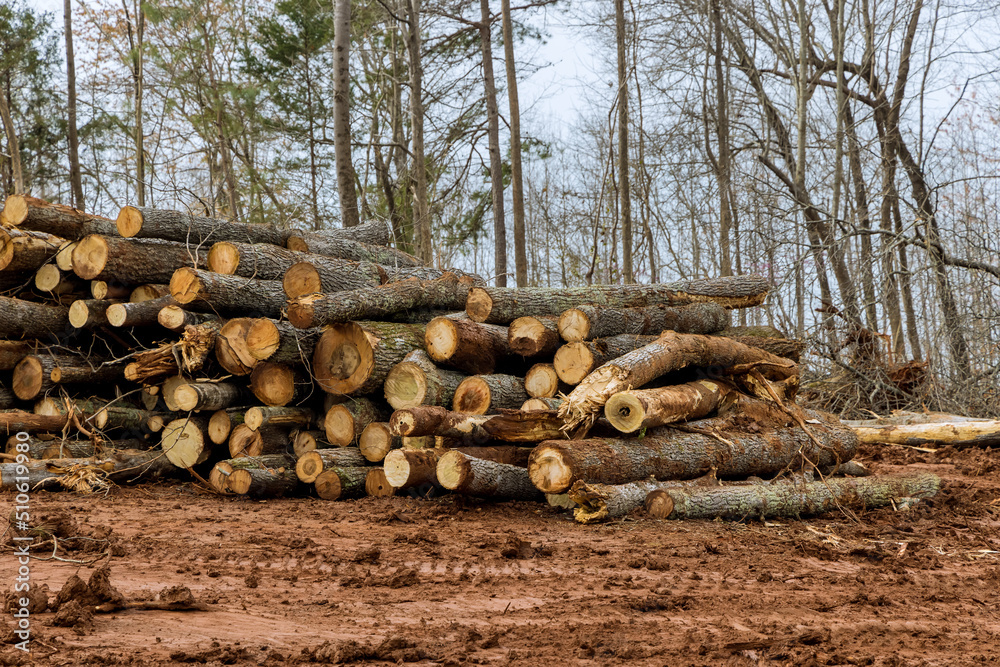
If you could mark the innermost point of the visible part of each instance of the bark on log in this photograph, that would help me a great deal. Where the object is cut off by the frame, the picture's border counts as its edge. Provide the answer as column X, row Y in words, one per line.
column 377, row 486
column 476, row 477
column 264, row 482
column 356, row 250
column 267, row 440
column 141, row 314
column 509, row 426
column 167, row 389
column 150, row 223
column 417, row 381
column 281, row 342
column 542, row 381
column 597, row 502
column 483, row 394
column 501, row 305
column 89, row 313
column 102, row 289
column 683, row 453
column 7, row 398
column 330, row 275
column 227, row 294
column 278, row 385
column 66, row 449
column 341, row 482
column 311, row 464
column 788, row 348
column 231, row 349
column 500, row 453
column 533, row 336
column 120, row 466
column 374, row 232
column 12, row 351
column 956, row 434
column 376, row 303
column 199, row 396
column 788, row 498
column 307, row 441
column 64, row 256
column 670, row 352
column 24, row 319
column 470, row 347
column 175, row 318
column 630, row 411
column 185, row 442
column 345, row 422
column 26, row 252
column 589, row 322
column 282, row 417
column 356, row 357
column 904, row 417
column 408, row 468
column 261, row 261
column 539, row 404
column 575, row 361
column 12, row 421
column 30, row 213
column 377, row 440
column 108, row 258
column 37, row 374
column 222, row 472
column 222, row 423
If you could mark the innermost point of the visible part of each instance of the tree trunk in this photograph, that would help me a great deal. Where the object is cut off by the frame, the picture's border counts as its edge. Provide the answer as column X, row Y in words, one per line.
column 408, row 468
column 356, row 357
column 955, row 434
column 200, row 396
column 683, row 453
column 191, row 230
column 311, row 464
column 135, row 262
column 89, row 313
column 330, row 275
column 342, row 113
column 376, row 484
column 482, row 394
column 624, row 194
column 542, row 381
column 375, row 233
column 281, row 343
column 278, row 385
column 534, row 336
column 184, row 441
column 511, row 426
column 590, row 322
column 36, row 374
column 175, row 318
column 516, row 181
column 353, row 250
column 12, row 144
column 493, row 132
column 227, row 293
column 25, row 319
column 75, row 180
column 341, row 482
column 417, row 381
column 575, row 361
column 470, row 347
column 222, row 477
column 141, row 314
column 288, row 418
column 374, row 303
column 629, row 411
column 121, row 466
column 345, row 422
column 377, row 440
column 497, row 305
column 244, row 441
column 22, row 251
column 668, row 353
column 476, row 477
column 38, row 215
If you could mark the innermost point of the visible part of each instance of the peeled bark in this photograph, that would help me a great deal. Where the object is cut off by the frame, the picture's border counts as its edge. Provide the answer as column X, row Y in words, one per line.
column 30, row 213
column 280, row 342
column 956, row 434
column 356, row 357
column 476, row 477
column 407, row 468
column 533, row 336
column 198, row 396
column 417, row 381
column 227, row 294
column 120, row 466
column 470, row 347
column 482, row 394
column 341, row 482
column 575, row 361
column 150, row 223
column 374, row 303
column 510, row 426
column 680, row 453
column 629, row 411
column 344, row 423
column 311, row 464
column 192, row 350
column 286, row 418
column 588, row 322
column 141, row 314
column 377, row 440
column 267, row 440
column 185, row 442
column 375, row 232
column 108, row 258
column 497, row 305
column 25, row 319
column 542, row 381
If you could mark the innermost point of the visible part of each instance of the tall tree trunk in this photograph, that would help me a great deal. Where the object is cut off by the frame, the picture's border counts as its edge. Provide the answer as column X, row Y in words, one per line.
column 625, row 200
column 310, row 110
column 516, row 184
column 74, row 142
column 723, row 164
column 135, row 39
column 421, row 205
column 341, row 113
column 12, row 143
column 496, row 167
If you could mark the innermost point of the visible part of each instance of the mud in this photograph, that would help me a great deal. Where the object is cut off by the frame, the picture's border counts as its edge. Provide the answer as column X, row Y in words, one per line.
column 453, row 581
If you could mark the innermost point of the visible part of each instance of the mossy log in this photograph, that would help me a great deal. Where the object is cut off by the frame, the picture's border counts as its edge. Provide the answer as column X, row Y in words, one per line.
column 259, row 478
column 341, row 482
column 221, row 473
column 417, row 381
column 471, row 476
column 590, row 321
column 345, row 422
column 354, row 358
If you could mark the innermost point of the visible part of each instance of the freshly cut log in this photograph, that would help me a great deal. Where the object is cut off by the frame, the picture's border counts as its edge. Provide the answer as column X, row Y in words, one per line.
column 375, row 303
column 38, row 373
column 120, row 466
column 470, row 347
column 596, row 502
column 281, row 342
column 23, row 251
column 408, row 468
column 48, row 278
column 788, row 498
column 533, row 336
column 354, row 250
column 150, row 396
column 99, row 412
column 329, row 275
column 150, row 223
column 311, row 464
column 148, row 292
column 278, row 385
column 476, row 477
column 56, row 219
column 629, row 411
column 345, row 422
column 12, row 351
column 509, row 426
column 231, row 347
column 222, row 423
column 64, row 256
column 102, row 289
column 25, row 319
column 341, row 482
column 589, row 321
column 956, row 434
column 509, row 454
column 377, row 440
column 575, row 361
column 356, row 357
column 227, row 293
column 376, row 485
column 501, row 305
column 67, row 449
column 670, row 352
column 184, row 441
column 108, row 258
column 218, row 477
column 262, row 261
column 904, row 417
column 417, row 381
column 262, row 476
column 141, row 314
column 124, row 418
column 12, row 421
column 175, row 318
column 374, row 232
column 198, row 396
column 268, row 440
column 287, row 418
column 542, row 381
column 84, row 408
column 482, row 394
column 191, row 351
column 688, row 452
column 169, row 388
column 307, row 441
column 89, row 313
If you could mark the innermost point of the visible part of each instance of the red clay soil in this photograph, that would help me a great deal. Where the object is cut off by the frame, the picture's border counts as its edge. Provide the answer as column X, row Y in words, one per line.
column 452, row 581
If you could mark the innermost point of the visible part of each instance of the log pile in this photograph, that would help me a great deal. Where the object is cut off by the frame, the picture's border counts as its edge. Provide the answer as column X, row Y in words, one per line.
column 267, row 362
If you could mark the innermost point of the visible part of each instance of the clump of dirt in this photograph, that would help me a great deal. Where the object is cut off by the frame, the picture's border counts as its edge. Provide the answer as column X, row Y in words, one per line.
column 74, row 615
column 97, row 591
column 367, row 555
column 252, row 580
column 518, row 549
column 37, row 595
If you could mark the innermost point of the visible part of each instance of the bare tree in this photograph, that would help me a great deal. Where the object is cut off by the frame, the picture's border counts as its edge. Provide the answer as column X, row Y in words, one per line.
column 493, row 130
column 516, row 184
column 624, row 195
column 76, row 182
column 341, row 113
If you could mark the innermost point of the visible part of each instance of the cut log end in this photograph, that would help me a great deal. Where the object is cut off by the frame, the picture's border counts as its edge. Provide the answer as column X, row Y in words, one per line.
column 549, row 470
column 376, row 441
column 48, row 278
column 79, row 314
column 186, row 397
column 479, row 305
column 309, row 466
column 302, row 310
column 574, row 325
column 301, row 279
column 273, row 384
column 171, row 317
column 396, row 468
column 625, row 412
column 15, row 210
column 185, row 285
column 29, row 376
column 573, row 362
column 343, row 358
column 339, row 426
column 405, row 386
column 147, row 293
column 220, row 425
column 224, row 258
column 184, row 443
column 441, row 339
column 64, row 256
column 530, row 337
column 116, row 314
column 541, row 381
column 263, row 338
column 219, row 477
column 90, row 256
column 473, row 396
column 129, row 222
column 659, row 504
column 377, row 486
column 453, row 469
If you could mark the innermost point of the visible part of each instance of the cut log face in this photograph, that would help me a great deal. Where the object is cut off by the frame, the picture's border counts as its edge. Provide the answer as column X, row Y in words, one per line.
column 589, row 322
column 476, row 477
column 417, row 381
column 377, row 440
column 175, row 318
column 144, row 313
column 257, row 417
column 341, row 482
column 408, row 468
column 345, row 422
column 329, row 275
column 276, row 384
column 184, row 442
column 311, row 464
column 105, row 258
column 537, row 404
column 533, row 336
column 377, row 486
column 575, row 361
column 231, row 349
column 245, row 442
column 89, row 313
column 222, row 423
column 49, row 278
column 630, row 411
column 198, row 396
column 307, row 441
column 482, row 394
column 223, row 293
column 467, row 346
column 56, row 219
column 541, row 381
column 356, row 357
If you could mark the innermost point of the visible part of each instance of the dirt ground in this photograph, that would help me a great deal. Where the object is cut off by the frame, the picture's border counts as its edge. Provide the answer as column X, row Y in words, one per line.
column 453, row 581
